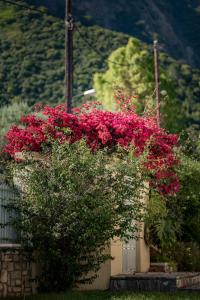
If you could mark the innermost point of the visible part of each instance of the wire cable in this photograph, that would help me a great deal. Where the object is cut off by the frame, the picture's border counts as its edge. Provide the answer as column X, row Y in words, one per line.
column 80, row 34
column 97, row 51
column 24, row 6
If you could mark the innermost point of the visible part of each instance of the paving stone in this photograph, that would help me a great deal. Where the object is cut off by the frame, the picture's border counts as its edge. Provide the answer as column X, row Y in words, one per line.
column 4, row 276
column 10, row 266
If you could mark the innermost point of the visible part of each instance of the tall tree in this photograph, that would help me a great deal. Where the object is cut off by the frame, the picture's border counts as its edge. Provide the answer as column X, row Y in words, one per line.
column 131, row 68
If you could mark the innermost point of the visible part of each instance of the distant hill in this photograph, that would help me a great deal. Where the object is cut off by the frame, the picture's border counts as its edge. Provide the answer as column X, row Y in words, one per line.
column 32, row 56
column 175, row 22
column 32, row 61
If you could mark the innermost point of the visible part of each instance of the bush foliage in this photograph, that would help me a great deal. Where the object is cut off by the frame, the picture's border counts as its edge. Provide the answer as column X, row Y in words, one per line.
column 174, row 222
column 74, row 203
column 11, row 115
column 87, row 188
column 102, row 129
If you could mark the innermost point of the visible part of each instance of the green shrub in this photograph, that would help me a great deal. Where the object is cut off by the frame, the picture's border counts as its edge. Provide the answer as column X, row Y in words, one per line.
column 75, row 202
column 11, row 115
column 174, row 222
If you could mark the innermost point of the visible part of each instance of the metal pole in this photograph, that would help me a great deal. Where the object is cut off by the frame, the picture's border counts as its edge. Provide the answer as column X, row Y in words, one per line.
column 69, row 27
column 157, row 79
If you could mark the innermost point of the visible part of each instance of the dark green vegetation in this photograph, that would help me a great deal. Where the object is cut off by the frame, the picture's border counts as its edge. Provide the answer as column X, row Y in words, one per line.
column 10, row 115
column 32, row 56
column 109, row 296
column 32, row 61
column 175, row 23
column 173, row 222
column 180, row 89
column 32, row 70
column 74, row 206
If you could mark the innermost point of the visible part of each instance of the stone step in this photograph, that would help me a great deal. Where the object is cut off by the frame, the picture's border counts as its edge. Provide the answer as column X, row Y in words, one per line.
column 162, row 267
column 162, row 282
column 188, row 280
column 193, row 288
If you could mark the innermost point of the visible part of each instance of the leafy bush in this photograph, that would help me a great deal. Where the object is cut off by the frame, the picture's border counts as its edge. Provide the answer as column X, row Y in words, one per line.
column 174, row 222
column 87, row 189
column 75, row 202
column 102, row 129
column 11, row 115
column 188, row 256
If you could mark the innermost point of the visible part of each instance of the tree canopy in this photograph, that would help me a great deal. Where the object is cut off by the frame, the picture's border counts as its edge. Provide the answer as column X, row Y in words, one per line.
column 131, row 68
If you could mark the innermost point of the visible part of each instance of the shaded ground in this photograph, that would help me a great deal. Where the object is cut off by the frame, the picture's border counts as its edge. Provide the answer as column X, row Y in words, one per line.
column 114, row 296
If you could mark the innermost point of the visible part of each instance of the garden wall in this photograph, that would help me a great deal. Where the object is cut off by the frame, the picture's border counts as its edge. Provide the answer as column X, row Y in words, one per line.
column 16, row 274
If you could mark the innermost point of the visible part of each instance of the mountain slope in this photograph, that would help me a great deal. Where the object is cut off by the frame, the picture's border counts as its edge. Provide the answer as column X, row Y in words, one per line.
column 32, row 61
column 175, row 23
column 32, row 56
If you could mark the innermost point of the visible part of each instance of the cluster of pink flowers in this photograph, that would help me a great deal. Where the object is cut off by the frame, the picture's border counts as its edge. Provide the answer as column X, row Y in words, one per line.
column 101, row 129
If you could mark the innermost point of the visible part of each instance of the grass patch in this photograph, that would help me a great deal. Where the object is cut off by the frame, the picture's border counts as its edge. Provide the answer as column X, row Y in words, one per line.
column 113, row 296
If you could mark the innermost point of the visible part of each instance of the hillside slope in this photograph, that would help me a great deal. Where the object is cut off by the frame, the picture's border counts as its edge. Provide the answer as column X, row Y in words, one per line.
column 175, row 23
column 32, row 61
column 32, row 56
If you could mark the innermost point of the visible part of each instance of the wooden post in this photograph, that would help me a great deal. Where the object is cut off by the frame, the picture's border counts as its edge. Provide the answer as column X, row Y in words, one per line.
column 157, row 80
column 69, row 27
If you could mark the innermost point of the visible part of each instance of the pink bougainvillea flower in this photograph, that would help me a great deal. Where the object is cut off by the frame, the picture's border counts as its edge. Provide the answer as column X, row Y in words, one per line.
column 101, row 129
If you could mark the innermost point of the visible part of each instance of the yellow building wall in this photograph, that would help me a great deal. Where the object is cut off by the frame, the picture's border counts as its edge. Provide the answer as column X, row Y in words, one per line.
column 142, row 253
column 115, row 266
column 103, row 277
column 116, row 253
